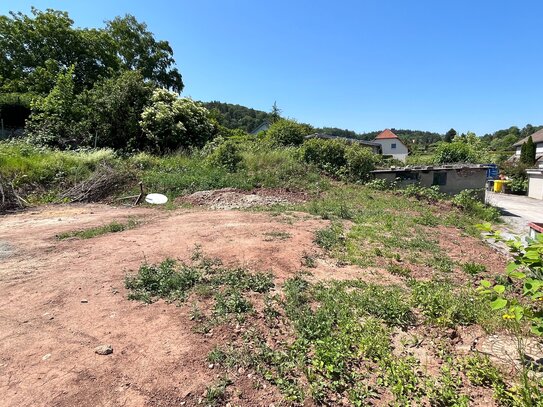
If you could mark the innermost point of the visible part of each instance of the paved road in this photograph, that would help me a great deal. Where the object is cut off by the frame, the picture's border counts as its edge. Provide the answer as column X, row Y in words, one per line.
column 518, row 211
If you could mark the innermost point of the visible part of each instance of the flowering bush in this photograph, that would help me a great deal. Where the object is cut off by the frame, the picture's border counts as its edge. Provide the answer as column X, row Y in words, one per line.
column 171, row 123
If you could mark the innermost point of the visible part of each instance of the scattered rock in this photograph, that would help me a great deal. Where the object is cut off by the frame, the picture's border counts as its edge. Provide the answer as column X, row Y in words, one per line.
column 103, row 349
column 232, row 198
column 84, row 301
column 45, row 357
column 211, row 366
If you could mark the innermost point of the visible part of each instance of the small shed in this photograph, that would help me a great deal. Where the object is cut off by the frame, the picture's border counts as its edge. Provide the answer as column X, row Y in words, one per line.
column 451, row 179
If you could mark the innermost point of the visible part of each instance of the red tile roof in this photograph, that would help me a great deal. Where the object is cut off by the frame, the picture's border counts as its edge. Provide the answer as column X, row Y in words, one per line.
column 386, row 134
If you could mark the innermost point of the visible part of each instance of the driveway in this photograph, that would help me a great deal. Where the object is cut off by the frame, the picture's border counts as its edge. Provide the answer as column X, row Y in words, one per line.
column 517, row 210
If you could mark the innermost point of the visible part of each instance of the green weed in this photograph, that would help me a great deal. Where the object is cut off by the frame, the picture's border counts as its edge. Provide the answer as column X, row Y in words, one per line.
column 89, row 233
column 473, row 268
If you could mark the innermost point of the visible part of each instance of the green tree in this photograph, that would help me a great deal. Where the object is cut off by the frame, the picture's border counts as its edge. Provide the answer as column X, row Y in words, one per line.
column 288, row 132
column 37, row 47
column 56, row 119
column 275, row 114
column 528, row 152
column 114, row 109
column 138, row 50
column 170, row 122
column 449, row 136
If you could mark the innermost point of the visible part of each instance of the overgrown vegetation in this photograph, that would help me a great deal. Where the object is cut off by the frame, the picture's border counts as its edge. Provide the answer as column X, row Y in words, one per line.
column 342, row 345
column 89, row 233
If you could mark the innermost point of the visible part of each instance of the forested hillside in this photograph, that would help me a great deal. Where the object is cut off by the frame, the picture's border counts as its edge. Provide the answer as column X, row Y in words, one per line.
column 505, row 138
column 236, row 116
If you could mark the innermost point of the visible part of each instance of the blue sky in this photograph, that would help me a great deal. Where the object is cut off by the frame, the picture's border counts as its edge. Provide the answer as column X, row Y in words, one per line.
column 362, row 65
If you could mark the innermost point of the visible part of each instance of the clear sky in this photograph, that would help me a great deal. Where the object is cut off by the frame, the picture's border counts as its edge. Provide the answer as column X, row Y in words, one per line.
column 363, row 65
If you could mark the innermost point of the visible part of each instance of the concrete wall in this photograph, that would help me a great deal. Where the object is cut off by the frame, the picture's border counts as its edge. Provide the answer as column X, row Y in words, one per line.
column 535, row 186
column 400, row 152
column 456, row 179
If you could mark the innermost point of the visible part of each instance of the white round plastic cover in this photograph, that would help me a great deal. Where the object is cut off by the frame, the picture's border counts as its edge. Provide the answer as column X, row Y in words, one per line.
column 156, row 199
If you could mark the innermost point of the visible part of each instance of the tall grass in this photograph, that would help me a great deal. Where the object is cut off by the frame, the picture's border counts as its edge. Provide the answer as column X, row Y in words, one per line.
column 22, row 163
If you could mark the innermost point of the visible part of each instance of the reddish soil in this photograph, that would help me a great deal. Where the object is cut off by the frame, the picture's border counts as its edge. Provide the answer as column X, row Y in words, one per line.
column 48, row 334
column 61, row 299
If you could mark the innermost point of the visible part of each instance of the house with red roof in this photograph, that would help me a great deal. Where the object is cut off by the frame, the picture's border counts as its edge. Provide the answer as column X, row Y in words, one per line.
column 392, row 145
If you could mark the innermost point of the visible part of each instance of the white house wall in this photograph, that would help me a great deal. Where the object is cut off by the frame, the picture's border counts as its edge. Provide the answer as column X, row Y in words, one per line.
column 400, row 152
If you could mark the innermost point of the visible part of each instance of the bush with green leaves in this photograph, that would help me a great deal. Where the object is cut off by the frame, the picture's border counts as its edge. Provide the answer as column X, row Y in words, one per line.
column 469, row 200
column 287, row 132
column 455, row 152
column 114, row 108
column 360, row 162
column 171, row 123
column 328, row 155
column 55, row 121
column 227, row 155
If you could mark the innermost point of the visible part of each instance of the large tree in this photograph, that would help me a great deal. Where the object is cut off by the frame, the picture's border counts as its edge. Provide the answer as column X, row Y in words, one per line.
column 37, row 47
column 139, row 50
column 528, row 152
column 450, row 135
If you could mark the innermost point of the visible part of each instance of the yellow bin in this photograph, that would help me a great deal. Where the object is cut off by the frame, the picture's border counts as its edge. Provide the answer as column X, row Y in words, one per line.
column 498, row 185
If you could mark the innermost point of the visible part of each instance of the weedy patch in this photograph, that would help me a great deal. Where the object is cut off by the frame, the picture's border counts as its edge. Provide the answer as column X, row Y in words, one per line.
column 473, row 268
column 215, row 394
column 113, row 227
column 276, row 235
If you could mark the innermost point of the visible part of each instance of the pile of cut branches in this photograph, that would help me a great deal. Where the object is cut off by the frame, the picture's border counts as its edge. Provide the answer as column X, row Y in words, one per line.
column 105, row 181
column 9, row 199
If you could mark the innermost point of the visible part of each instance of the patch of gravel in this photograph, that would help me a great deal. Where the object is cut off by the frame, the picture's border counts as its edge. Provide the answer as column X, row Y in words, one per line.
column 5, row 250
column 231, row 198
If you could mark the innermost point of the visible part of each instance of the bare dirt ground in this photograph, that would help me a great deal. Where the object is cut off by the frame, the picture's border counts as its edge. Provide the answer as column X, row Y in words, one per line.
column 59, row 300
column 49, row 333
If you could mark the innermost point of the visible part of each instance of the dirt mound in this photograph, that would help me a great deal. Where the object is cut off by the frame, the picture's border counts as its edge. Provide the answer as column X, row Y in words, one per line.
column 231, row 198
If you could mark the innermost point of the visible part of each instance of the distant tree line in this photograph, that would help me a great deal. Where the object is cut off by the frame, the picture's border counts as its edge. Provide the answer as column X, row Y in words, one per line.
column 234, row 116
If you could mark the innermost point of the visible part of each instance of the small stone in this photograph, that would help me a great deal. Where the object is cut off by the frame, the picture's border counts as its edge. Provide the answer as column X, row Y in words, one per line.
column 241, row 370
column 45, row 357
column 211, row 366
column 103, row 350
column 249, row 376
column 84, row 301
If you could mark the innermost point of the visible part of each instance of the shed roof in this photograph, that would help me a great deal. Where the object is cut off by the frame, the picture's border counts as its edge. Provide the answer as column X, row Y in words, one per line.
column 434, row 168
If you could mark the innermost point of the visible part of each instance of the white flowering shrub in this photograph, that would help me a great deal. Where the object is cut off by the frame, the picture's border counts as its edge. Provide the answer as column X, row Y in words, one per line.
column 171, row 123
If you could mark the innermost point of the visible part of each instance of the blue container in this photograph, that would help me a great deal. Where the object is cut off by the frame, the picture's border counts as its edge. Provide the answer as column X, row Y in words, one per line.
column 492, row 171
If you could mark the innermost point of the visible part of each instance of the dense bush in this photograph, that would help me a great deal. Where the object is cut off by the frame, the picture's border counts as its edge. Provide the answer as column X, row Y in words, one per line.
column 114, row 108
column 516, row 172
column 227, row 155
column 360, row 162
column 338, row 158
column 456, row 152
column 328, row 155
column 171, row 123
column 287, row 133
column 470, row 201
column 56, row 120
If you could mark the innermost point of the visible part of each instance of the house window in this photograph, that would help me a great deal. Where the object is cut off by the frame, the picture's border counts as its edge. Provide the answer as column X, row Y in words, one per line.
column 393, row 145
column 440, row 178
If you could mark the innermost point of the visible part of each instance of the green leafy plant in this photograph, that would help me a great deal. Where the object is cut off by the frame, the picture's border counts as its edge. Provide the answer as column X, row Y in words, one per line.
column 473, row 268
column 520, row 302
